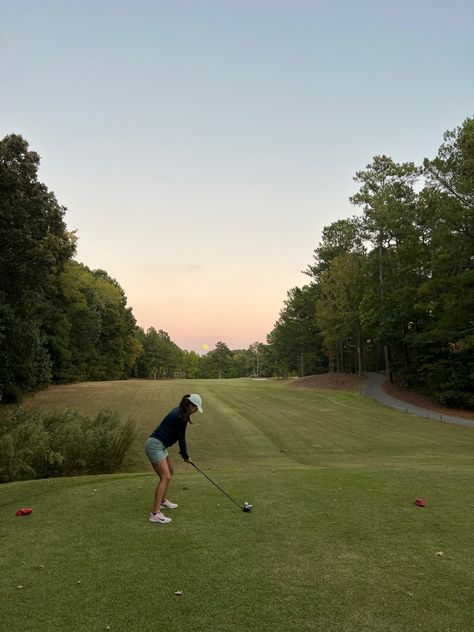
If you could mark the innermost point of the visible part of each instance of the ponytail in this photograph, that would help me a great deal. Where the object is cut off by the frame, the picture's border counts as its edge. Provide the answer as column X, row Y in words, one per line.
column 183, row 408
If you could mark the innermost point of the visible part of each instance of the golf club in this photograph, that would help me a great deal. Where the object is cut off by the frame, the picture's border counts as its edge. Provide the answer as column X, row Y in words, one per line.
column 245, row 507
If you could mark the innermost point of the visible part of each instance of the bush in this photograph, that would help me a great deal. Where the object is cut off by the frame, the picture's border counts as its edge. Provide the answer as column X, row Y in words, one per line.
column 12, row 394
column 35, row 444
column 457, row 399
column 24, row 444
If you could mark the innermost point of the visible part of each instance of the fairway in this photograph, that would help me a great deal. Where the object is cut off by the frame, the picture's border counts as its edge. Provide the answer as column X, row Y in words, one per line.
column 335, row 541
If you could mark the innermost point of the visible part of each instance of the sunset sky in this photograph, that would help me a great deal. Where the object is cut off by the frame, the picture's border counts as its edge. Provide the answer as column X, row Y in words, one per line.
column 200, row 147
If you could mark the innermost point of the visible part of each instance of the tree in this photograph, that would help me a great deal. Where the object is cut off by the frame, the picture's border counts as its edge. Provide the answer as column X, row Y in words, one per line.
column 191, row 363
column 339, row 308
column 34, row 246
column 116, row 344
column 99, row 338
column 255, row 352
column 240, row 364
column 451, row 173
column 387, row 196
column 221, row 358
column 444, row 341
column 338, row 238
column 295, row 341
column 161, row 357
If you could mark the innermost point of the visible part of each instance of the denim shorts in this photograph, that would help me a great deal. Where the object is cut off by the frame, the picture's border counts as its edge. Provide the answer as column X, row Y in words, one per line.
column 155, row 450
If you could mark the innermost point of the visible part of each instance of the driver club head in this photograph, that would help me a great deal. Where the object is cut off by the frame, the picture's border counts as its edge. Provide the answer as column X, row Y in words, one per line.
column 247, row 507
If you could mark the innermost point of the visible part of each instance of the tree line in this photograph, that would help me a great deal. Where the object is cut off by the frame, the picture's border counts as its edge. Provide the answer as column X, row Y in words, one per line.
column 62, row 322
column 392, row 289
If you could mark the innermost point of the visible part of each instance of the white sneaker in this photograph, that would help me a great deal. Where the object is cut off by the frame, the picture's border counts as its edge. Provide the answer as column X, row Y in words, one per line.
column 167, row 504
column 159, row 517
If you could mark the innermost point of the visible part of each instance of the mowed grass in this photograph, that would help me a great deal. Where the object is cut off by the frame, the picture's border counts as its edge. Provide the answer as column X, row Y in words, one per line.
column 335, row 541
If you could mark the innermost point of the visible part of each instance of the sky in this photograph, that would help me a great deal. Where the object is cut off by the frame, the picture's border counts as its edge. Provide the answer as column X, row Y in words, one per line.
column 201, row 146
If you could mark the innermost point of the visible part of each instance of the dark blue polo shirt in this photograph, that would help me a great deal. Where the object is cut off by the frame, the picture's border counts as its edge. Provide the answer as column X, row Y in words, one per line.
column 172, row 429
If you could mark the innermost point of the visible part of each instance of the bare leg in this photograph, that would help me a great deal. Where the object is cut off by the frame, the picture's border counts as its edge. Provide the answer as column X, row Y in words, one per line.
column 162, row 468
column 171, row 469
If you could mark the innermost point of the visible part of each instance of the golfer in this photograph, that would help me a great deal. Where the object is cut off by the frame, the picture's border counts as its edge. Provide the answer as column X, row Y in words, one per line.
column 170, row 430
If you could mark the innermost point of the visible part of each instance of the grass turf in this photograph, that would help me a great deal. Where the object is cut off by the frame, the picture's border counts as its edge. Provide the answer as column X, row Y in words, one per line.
column 334, row 543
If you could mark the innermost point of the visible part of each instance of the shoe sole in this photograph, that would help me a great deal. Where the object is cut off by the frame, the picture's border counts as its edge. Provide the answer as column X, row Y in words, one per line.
column 159, row 521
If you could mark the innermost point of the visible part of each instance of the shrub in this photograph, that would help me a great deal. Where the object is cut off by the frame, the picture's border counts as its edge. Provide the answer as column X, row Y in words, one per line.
column 35, row 444
column 110, row 440
column 24, row 446
column 457, row 399
column 12, row 394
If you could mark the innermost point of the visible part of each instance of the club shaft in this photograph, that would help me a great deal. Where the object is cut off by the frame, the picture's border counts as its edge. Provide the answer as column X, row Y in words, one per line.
column 216, row 485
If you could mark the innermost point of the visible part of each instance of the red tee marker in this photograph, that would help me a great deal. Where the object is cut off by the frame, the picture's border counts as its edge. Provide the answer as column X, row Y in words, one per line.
column 419, row 502
column 24, row 511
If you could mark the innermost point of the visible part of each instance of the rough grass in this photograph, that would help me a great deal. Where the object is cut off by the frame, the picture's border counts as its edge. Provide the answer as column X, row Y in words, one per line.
column 335, row 541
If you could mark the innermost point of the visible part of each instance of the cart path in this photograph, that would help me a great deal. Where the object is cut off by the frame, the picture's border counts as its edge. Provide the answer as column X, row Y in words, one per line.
column 372, row 388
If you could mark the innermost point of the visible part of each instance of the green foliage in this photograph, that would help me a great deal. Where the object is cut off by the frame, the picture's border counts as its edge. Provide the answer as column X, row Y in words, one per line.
column 256, row 361
column 339, row 308
column 159, row 356
column 412, row 310
column 408, row 306
column 295, row 341
column 11, row 394
column 35, row 444
column 25, row 446
column 100, row 340
column 59, row 321
column 342, row 237
column 190, row 364
column 218, row 362
column 34, row 248
column 223, row 362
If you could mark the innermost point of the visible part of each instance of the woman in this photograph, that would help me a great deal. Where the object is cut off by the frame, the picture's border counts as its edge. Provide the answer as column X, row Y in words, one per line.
column 171, row 429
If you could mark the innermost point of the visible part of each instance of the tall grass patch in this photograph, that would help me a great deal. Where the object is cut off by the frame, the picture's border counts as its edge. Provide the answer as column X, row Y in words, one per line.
column 41, row 444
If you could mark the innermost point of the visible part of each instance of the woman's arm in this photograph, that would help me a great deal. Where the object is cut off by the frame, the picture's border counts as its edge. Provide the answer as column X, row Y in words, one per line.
column 182, row 442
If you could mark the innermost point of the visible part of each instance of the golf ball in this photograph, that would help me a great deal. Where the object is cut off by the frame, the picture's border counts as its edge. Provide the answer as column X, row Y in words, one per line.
column 245, row 503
